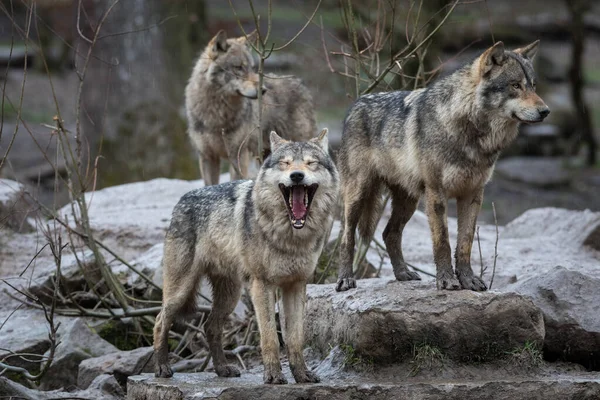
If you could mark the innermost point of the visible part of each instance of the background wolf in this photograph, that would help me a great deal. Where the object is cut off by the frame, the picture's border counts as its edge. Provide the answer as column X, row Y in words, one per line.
column 271, row 232
column 222, row 113
column 443, row 142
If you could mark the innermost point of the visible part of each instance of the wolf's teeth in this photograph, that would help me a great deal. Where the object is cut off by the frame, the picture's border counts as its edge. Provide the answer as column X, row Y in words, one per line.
column 302, row 221
column 305, row 197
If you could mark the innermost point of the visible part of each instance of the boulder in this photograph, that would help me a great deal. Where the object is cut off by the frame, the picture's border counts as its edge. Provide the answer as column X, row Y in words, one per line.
column 543, row 172
column 77, row 343
column 121, row 365
column 133, row 217
column 250, row 386
column 383, row 321
column 14, row 207
column 569, row 301
column 25, row 331
column 104, row 387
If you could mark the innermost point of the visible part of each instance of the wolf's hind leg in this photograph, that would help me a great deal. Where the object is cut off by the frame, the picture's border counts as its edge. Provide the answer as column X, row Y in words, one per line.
column 361, row 200
column 294, row 300
column 172, row 307
column 226, row 293
column 179, row 297
column 403, row 207
column 209, row 167
column 436, row 206
column 468, row 209
column 263, row 299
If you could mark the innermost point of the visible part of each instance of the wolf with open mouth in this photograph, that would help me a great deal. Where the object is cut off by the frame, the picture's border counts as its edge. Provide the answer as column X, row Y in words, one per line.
column 269, row 232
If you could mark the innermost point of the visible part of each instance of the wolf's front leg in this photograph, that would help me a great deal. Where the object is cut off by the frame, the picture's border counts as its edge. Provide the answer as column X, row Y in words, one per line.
column 468, row 209
column 263, row 298
column 209, row 167
column 436, row 208
column 294, row 300
column 239, row 159
column 226, row 293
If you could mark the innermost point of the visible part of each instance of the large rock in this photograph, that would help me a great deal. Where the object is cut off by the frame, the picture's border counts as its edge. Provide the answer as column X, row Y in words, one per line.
column 77, row 343
column 569, row 301
column 543, row 172
column 14, row 207
column 385, row 320
column 250, row 386
column 104, row 387
column 133, row 217
column 121, row 365
column 25, row 331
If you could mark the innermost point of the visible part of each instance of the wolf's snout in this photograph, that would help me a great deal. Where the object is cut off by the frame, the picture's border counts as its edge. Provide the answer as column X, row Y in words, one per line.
column 544, row 111
column 297, row 176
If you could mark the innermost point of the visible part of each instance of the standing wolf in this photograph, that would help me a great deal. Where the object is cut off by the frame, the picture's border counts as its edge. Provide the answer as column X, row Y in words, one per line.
column 222, row 111
column 270, row 232
column 443, row 142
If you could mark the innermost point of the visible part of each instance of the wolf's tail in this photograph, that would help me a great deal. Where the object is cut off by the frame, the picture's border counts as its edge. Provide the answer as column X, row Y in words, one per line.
column 371, row 211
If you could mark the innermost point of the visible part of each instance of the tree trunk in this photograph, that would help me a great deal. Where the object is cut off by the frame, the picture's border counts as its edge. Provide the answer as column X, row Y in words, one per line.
column 133, row 89
column 583, row 121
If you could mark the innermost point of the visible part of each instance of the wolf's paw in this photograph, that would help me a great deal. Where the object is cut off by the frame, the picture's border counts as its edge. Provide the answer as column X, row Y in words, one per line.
column 227, row 371
column 408, row 276
column 306, row 376
column 163, row 371
column 447, row 281
column 344, row 284
column 274, row 378
column 472, row 282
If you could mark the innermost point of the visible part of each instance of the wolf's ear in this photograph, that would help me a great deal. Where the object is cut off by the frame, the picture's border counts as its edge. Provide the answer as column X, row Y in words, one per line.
column 219, row 42
column 276, row 141
column 322, row 140
column 249, row 38
column 529, row 51
column 492, row 57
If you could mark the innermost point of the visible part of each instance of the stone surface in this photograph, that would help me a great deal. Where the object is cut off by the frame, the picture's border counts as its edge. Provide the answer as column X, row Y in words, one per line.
column 77, row 343
column 250, row 386
column 569, row 301
column 25, row 331
column 14, row 207
column 539, row 171
column 104, row 387
column 384, row 320
column 120, row 365
column 133, row 217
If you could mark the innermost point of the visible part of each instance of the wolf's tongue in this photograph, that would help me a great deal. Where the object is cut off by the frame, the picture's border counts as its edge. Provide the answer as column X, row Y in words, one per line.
column 298, row 207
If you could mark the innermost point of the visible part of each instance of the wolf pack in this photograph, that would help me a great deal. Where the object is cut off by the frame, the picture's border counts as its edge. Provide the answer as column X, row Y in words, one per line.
column 267, row 234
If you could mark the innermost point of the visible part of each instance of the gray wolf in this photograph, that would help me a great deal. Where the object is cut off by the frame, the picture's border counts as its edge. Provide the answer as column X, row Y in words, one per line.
column 269, row 232
column 441, row 142
column 222, row 111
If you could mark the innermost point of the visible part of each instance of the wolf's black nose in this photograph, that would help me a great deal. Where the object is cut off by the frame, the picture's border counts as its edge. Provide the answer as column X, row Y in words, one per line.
column 544, row 112
column 297, row 176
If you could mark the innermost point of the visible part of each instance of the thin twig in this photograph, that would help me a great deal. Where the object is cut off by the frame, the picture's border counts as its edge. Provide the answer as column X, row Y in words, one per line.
column 495, row 245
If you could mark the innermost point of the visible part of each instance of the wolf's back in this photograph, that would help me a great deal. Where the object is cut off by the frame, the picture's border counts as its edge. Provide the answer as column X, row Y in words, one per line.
column 289, row 109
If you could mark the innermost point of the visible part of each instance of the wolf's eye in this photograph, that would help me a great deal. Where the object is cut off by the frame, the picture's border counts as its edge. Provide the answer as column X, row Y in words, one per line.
column 283, row 163
column 516, row 85
column 312, row 163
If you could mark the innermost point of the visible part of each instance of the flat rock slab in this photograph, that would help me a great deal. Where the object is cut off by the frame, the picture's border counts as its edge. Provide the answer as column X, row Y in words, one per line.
column 249, row 386
column 539, row 171
column 383, row 321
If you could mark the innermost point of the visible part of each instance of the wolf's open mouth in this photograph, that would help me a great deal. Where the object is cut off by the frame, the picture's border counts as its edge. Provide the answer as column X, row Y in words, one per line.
column 297, row 200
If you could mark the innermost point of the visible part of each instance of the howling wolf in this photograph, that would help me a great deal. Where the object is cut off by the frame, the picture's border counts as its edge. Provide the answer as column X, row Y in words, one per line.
column 269, row 232
column 222, row 111
column 443, row 142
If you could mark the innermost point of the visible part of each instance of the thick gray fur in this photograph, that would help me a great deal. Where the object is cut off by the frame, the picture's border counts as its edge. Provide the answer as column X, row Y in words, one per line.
column 222, row 109
column 241, row 231
column 441, row 142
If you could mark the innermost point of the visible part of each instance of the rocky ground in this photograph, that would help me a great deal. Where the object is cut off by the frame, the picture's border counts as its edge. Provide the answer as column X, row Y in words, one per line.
column 536, row 332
